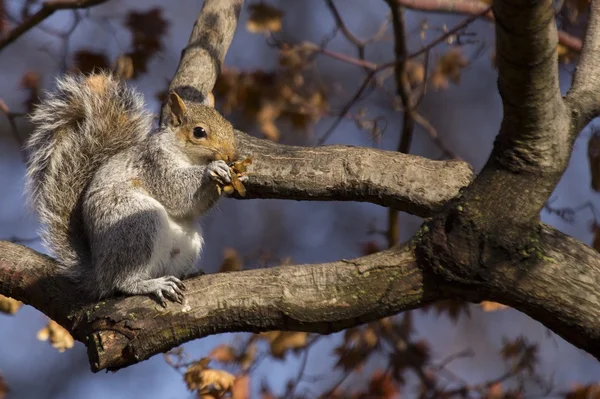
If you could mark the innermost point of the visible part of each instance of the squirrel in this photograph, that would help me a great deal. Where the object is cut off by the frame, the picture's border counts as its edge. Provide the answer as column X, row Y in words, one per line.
column 120, row 201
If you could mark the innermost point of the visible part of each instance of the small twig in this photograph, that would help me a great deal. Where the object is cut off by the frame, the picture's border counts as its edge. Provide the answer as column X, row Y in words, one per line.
column 432, row 132
column 11, row 116
column 48, row 8
column 390, row 64
column 301, row 370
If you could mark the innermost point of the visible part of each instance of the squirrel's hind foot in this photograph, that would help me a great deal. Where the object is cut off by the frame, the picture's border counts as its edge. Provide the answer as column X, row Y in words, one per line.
column 169, row 286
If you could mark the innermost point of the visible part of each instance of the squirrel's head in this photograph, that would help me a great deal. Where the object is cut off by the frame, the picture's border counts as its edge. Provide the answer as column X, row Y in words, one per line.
column 204, row 134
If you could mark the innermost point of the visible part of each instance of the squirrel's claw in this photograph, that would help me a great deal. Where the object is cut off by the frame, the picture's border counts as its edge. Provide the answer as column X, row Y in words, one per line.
column 219, row 171
column 170, row 287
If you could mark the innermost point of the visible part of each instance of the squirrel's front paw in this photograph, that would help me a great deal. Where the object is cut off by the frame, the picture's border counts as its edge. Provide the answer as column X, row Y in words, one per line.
column 219, row 171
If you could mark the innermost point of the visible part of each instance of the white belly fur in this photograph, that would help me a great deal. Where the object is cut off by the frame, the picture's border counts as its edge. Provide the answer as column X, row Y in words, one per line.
column 177, row 249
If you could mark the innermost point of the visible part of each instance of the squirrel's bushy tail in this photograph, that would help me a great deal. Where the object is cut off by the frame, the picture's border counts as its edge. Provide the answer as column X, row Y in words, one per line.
column 85, row 121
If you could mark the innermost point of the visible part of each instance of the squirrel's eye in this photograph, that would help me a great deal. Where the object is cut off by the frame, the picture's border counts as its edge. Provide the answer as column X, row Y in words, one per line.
column 199, row 132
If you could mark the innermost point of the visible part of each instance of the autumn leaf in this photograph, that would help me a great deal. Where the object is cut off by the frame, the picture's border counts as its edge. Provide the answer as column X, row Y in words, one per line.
column 9, row 305
column 147, row 31
column 382, row 386
column 488, row 306
column 452, row 308
column 283, row 341
column 448, row 68
column 266, row 121
column 87, row 61
column 58, row 336
column 286, row 341
column 124, row 67
column 223, row 353
column 264, row 18
column 199, row 377
column 415, row 72
column 351, row 358
column 522, row 354
column 232, row 261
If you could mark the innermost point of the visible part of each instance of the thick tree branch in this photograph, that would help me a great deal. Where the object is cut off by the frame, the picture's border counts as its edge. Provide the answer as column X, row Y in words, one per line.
column 533, row 146
column 48, row 8
column 203, row 57
column 584, row 95
column 554, row 279
column 321, row 298
column 408, row 183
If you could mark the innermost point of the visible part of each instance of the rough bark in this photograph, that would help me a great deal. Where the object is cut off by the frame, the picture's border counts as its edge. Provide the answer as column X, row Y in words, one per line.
column 408, row 183
column 483, row 240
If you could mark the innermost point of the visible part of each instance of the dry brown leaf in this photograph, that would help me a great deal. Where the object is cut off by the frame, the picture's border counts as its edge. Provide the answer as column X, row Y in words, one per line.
column 223, row 353
column 147, row 29
column 124, row 67
column 199, row 377
column 58, row 336
column 264, row 18
column 495, row 391
column 241, row 387
column 236, row 170
column 382, row 386
column 489, row 306
column 9, row 305
column 415, row 72
column 448, row 68
column 88, row 61
column 288, row 340
column 232, row 261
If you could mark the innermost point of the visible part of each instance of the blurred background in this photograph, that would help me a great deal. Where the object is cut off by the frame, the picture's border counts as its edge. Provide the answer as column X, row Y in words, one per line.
column 290, row 72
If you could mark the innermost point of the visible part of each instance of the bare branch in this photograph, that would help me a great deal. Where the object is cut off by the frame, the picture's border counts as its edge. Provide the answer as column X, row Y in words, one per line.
column 320, row 298
column 404, row 91
column 48, row 8
column 584, row 95
column 471, row 7
column 409, row 183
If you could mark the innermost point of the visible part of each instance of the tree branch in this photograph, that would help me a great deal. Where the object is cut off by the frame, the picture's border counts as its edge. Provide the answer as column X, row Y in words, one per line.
column 203, row 57
column 584, row 95
column 408, row 183
column 555, row 281
column 321, row 298
column 404, row 91
column 48, row 8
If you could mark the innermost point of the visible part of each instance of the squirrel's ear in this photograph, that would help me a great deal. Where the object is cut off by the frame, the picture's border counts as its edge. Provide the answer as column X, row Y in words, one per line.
column 177, row 109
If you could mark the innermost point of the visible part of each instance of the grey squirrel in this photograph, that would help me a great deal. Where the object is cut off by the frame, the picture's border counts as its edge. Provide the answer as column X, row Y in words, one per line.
column 121, row 203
